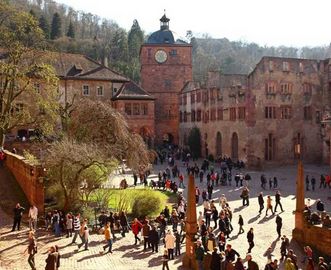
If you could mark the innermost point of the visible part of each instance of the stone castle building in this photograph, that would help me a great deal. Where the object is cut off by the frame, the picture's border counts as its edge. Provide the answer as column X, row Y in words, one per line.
column 260, row 117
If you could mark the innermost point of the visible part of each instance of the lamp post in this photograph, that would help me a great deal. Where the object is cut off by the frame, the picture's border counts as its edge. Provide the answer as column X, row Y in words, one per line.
column 297, row 233
column 189, row 261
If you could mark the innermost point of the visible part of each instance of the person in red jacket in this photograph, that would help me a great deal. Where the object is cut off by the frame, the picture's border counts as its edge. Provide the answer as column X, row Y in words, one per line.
column 136, row 227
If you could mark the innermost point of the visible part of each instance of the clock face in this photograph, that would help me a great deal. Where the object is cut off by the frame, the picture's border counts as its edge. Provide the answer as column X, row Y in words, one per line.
column 161, row 56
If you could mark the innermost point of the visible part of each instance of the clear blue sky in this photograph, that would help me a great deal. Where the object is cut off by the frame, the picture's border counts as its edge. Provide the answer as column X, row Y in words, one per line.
column 277, row 22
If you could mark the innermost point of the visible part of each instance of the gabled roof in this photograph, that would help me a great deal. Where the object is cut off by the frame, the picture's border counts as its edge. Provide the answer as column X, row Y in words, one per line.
column 78, row 66
column 130, row 90
column 190, row 86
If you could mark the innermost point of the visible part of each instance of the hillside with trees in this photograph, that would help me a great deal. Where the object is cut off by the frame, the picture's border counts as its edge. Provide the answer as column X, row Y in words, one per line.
column 73, row 31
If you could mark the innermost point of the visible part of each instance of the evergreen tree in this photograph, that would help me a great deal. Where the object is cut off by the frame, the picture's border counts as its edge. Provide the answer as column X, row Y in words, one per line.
column 71, row 30
column 135, row 39
column 44, row 25
column 56, row 26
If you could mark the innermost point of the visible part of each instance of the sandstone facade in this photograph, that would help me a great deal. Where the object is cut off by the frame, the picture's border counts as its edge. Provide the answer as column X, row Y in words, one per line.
column 260, row 117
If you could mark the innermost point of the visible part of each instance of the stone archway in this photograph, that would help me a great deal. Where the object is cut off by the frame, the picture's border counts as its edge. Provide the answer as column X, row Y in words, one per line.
column 218, row 145
column 234, row 146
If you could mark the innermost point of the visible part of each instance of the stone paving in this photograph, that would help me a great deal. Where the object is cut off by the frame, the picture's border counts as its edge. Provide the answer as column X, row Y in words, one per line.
column 128, row 256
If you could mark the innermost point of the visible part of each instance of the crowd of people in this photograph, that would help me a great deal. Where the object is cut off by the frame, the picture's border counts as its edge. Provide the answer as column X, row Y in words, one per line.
column 168, row 230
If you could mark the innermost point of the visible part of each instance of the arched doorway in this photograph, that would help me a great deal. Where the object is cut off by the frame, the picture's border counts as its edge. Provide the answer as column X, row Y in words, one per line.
column 218, row 145
column 234, row 146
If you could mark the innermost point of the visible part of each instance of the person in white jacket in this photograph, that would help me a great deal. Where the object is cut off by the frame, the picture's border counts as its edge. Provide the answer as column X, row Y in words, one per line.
column 33, row 217
column 170, row 240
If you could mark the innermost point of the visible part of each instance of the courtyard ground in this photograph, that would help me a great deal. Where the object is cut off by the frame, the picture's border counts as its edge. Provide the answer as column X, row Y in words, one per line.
column 128, row 256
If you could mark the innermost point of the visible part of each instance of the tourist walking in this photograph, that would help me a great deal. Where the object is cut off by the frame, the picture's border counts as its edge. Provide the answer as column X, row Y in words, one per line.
column 275, row 182
column 33, row 217
column 199, row 254
column 279, row 223
column 32, row 250
column 245, row 196
column 18, row 212
column 252, row 265
column 177, row 245
column 313, row 183
column 241, row 223
column 269, row 205
column 136, row 227
column 52, row 259
column 170, row 244
column 145, row 233
column 76, row 227
column 84, row 234
column 69, row 224
column 154, row 239
column 277, row 198
column 108, row 238
column 261, row 202
column 250, row 239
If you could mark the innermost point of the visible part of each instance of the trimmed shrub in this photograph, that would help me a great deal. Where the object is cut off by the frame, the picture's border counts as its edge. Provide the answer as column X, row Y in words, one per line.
column 147, row 204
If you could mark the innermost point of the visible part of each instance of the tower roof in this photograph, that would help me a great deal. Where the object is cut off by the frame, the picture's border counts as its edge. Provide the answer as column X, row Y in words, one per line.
column 164, row 35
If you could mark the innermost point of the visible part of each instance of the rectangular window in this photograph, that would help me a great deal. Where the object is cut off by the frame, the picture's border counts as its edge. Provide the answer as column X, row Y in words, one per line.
column 286, row 66
column 100, row 91
column 127, row 108
column 206, row 116
column 213, row 115
column 318, row 117
column 285, row 112
column 232, row 114
column 220, row 114
column 199, row 115
column 307, row 114
column 173, row 53
column 192, row 98
column 198, row 97
column 86, row 90
column 184, row 99
column 167, row 84
column 185, row 117
column 270, row 112
column 241, row 113
column 286, row 88
column 144, row 109
column 271, row 66
column 37, row 87
column 270, row 88
column 301, row 67
column 136, row 109
column 307, row 89
column 192, row 116
column 180, row 116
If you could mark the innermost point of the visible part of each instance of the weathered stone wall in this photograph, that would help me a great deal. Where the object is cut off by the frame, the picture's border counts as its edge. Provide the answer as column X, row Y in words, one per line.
column 251, row 95
column 318, row 237
column 28, row 177
column 141, row 124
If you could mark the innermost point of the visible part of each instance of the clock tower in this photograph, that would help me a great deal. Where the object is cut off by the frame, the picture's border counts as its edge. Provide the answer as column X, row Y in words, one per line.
column 166, row 65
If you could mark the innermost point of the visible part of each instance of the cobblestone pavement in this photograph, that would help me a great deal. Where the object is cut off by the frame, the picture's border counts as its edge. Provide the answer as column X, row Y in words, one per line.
column 128, row 256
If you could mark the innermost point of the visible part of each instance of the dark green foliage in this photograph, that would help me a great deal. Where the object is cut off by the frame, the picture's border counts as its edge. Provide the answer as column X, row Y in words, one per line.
column 56, row 26
column 44, row 25
column 194, row 142
column 146, row 205
column 135, row 39
column 71, row 30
